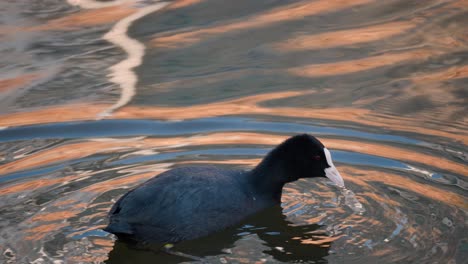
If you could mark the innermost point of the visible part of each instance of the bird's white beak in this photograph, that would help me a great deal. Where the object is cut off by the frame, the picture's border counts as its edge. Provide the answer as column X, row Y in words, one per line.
column 331, row 172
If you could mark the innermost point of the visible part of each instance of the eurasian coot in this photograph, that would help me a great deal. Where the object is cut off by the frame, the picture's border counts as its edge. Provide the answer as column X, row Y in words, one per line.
column 191, row 202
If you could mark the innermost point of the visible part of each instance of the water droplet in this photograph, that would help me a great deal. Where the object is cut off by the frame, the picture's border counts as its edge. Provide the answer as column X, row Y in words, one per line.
column 280, row 249
column 447, row 222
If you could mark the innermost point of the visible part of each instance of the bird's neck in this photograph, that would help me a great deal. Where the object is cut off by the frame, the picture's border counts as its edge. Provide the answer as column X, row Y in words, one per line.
column 268, row 179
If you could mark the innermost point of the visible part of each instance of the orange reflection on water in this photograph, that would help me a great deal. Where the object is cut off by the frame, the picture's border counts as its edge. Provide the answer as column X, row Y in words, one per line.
column 451, row 73
column 344, row 37
column 88, row 18
column 62, row 153
column 34, row 184
column 321, row 241
column 246, row 105
column 352, row 66
column 397, row 154
column 407, row 184
column 103, row 242
column 57, row 216
column 249, row 105
column 285, row 13
column 95, row 255
column 79, row 150
column 64, row 202
column 459, row 4
column 46, row 223
column 183, row 3
column 80, row 19
column 9, row 84
column 120, row 182
column 61, row 113
column 374, row 196
column 41, row 231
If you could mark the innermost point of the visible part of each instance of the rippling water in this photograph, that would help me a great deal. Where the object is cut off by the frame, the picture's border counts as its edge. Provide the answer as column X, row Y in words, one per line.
column 98, row 96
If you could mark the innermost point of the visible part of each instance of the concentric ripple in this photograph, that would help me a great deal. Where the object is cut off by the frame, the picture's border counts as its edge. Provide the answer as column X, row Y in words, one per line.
column 66, row 184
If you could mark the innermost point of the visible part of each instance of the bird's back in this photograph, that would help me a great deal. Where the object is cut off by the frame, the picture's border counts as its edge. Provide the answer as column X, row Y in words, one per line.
column 183, row 204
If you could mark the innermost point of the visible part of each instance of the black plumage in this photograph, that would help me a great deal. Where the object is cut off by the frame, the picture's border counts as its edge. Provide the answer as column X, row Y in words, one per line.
column 190, row 202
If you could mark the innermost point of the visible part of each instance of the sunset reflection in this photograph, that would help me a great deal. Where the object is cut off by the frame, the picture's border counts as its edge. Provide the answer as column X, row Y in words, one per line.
column 87, row 18
column 55, row 215
column 9, row 84
column 41, row 231
column 352, row 66
column 451, row 73
column 34, row 184
column 344, row 37
column 80, row 150
column 296, row 11
column 249, row 105
column 99, row 96
column 405, row 183
column 183, row 3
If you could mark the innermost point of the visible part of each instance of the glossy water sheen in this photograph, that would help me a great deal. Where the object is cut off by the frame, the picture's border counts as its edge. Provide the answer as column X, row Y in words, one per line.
column 96, row 97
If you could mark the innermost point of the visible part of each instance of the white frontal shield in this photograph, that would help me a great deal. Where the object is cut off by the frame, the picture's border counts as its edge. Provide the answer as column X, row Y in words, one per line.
column 331, row 172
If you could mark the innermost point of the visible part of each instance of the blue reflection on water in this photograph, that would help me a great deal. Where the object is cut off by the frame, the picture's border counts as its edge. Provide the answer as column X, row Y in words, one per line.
column 128, row 128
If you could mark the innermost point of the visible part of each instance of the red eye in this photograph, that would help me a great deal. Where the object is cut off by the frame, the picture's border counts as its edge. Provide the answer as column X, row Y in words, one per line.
column 317, row 157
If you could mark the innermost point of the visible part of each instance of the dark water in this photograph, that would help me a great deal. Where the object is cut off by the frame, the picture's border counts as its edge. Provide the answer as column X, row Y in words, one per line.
column 97, row 97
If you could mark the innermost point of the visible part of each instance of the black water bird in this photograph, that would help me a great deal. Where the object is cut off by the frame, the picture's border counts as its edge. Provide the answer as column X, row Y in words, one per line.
column 187, row 203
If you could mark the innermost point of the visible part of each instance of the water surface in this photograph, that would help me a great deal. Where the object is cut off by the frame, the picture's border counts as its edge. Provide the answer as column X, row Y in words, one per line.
column 99, row 96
